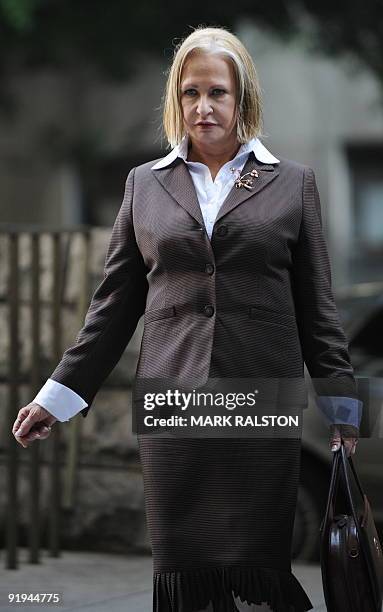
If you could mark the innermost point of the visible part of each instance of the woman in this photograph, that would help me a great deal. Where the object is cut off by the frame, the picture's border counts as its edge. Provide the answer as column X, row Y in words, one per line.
column 234, row 282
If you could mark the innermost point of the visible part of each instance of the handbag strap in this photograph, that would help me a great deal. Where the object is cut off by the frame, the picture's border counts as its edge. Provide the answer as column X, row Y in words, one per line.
column 338, row 458
column 348, row 460
column 334, row 481
column 356, row 476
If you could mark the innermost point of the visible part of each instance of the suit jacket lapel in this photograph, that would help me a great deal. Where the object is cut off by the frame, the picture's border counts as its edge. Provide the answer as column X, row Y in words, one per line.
column 177, row 181
column 266, row 173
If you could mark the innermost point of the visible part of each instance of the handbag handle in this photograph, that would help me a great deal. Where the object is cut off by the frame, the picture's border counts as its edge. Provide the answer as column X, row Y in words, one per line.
column 339, row 457
column 333, row 488
column 353, row 471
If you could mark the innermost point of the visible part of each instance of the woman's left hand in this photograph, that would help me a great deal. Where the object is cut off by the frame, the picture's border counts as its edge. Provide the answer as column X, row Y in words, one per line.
column 348, row 433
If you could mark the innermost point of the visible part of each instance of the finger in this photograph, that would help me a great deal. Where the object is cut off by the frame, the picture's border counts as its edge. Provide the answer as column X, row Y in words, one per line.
column 335, row 439
column 25, row 426
column 350, row 444
column 335, row 446
column 22, row 442
column 44, row 432
column 26, row 440
column 22, row 415
column 40, row 427
column 31, row 435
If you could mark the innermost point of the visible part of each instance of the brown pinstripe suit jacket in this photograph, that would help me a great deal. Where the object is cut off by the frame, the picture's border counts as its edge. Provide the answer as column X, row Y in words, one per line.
column 255, row 301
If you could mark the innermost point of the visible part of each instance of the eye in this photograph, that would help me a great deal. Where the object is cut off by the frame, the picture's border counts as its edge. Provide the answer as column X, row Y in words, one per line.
column 216, row 91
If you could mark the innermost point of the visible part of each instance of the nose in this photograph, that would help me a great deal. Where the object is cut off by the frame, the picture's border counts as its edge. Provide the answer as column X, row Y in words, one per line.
column 203, row 107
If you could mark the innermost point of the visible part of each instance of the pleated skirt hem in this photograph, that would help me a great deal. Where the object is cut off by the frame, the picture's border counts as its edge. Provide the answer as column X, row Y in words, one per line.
column 192, row 590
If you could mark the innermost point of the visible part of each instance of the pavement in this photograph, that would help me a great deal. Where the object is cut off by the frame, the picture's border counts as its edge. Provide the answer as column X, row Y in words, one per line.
column 104, row 582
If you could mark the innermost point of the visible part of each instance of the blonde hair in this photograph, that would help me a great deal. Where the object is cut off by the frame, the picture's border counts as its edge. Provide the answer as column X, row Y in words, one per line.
column 214, row 40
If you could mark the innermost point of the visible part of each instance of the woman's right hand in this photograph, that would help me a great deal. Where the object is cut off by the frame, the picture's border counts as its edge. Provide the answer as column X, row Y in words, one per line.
column 33, row 422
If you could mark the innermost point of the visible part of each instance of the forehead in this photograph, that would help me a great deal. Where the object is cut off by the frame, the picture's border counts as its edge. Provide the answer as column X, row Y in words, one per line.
column 205, row 66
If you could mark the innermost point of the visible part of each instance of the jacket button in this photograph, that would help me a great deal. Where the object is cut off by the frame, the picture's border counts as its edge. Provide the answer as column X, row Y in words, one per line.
column 222, row 230
column 209, row 310
column 209, row 268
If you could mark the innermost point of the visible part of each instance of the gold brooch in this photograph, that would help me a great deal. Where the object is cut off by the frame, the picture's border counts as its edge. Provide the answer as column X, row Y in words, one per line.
column 242, row 181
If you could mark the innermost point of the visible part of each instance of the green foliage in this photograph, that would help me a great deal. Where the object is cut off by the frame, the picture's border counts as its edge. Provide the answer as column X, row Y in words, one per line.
column 19, row 14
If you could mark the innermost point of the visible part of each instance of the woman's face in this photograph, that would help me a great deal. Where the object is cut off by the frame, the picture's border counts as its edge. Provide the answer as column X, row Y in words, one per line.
column 208, row 94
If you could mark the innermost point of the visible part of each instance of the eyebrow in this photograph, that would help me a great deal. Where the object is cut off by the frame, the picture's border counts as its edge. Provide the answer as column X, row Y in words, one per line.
column 217, row 85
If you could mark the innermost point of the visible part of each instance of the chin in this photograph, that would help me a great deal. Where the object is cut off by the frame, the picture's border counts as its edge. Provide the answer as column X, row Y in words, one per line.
column 209, row 136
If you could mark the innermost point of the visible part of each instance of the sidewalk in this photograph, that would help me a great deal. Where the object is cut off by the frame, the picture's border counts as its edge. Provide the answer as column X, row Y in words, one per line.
column 100, row 582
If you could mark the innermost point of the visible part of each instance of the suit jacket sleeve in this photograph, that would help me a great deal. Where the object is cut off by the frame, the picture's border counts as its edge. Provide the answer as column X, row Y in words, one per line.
column 115, row 309
column 323, row 341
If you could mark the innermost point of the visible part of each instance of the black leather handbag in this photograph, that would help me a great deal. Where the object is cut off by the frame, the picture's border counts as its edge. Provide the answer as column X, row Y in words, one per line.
column 350, row 552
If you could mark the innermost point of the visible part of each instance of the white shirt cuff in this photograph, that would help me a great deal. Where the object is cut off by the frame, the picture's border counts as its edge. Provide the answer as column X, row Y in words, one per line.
column 61, row 401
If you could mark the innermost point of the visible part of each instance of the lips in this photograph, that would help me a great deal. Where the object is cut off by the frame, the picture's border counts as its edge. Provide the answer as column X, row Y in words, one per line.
column 206, row 124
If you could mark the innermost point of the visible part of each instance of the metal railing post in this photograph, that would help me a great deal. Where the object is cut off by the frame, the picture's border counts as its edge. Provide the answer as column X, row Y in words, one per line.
column 55, row 473
column 13, row 401
column 34, row 526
